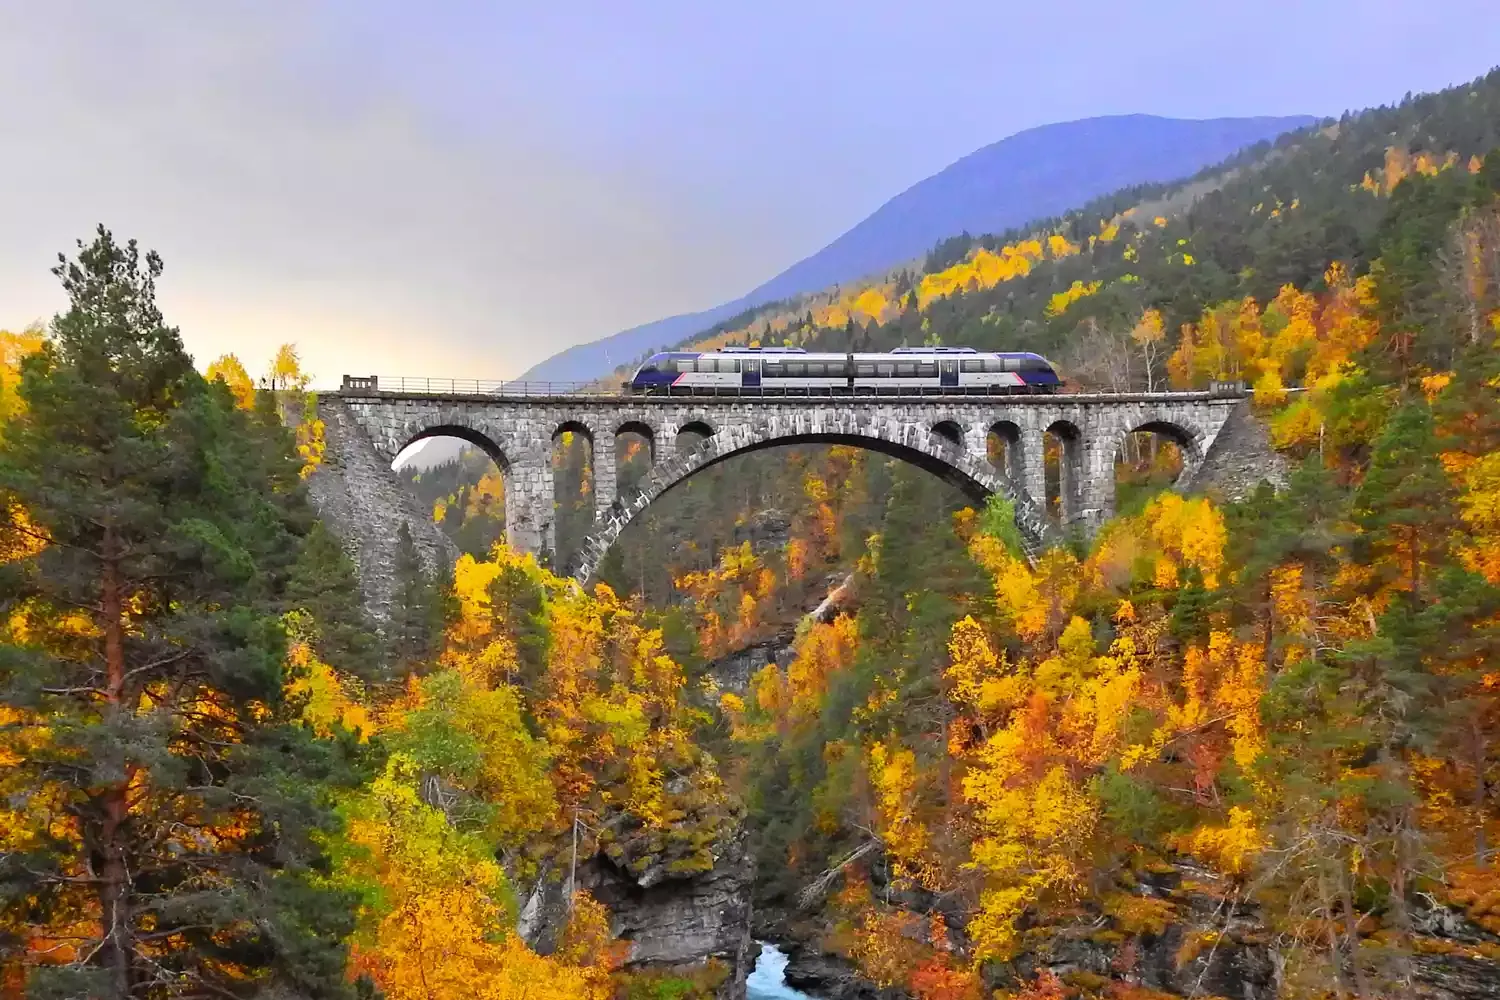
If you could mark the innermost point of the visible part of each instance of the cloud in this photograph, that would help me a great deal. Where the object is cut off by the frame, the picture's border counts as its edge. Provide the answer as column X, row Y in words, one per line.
column 299, row 194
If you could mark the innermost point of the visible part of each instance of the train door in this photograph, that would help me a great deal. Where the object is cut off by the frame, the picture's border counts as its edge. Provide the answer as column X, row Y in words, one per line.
column 750, row 374
column 948, row 373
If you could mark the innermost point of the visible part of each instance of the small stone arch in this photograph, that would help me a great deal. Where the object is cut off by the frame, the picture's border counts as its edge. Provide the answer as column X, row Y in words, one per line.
column 1189, row 440
column 949, row 431
column 574, row 427
column 701, row 427
column 692, row 435
column 641, row 429
column 1005, row 451
column 1069, row 467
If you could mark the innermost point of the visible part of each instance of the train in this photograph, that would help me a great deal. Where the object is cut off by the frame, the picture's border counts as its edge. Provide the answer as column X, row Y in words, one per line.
column 795, row 371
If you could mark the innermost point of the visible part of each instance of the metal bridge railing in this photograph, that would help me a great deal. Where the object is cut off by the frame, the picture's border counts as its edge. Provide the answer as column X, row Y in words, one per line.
column 473, row 386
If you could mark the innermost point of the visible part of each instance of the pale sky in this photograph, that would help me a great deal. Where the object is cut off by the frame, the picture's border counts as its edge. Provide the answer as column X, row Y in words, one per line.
column 455, row 188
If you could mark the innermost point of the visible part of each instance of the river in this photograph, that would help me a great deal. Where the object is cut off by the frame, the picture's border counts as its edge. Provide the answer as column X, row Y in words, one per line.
column 765, row 981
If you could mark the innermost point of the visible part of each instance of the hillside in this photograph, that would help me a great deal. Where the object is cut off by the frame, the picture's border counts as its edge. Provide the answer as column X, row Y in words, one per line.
column 1073, row 287
column 1033, row 174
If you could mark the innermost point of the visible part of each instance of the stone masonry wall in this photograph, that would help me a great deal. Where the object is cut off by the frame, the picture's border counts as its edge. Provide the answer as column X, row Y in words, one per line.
column 364, row 503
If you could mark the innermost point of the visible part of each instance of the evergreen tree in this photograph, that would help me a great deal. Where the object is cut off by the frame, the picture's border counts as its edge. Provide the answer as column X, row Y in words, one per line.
column 325, row 584
column 1405, row 504
column 416, row 612
column 150, row 526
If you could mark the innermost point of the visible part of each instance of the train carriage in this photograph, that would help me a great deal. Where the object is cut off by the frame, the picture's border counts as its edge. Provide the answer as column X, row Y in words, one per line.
column 794, row 371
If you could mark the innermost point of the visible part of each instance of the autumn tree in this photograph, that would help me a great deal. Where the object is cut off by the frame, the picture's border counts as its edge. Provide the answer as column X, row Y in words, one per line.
column 228, row 369
column 286, row 370
column 168, row 846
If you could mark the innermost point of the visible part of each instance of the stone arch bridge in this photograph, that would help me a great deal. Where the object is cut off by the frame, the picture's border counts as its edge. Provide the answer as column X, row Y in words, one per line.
column 948, row 435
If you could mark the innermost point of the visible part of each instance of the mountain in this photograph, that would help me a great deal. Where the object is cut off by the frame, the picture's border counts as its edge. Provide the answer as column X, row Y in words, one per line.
column 1034, row 174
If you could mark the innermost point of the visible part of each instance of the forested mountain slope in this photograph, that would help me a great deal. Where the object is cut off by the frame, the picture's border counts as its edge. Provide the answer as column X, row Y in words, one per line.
column 1033, row 174
column 1253, row 224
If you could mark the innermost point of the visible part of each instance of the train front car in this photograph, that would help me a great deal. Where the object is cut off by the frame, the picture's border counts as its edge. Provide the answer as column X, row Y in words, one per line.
column 656, row 374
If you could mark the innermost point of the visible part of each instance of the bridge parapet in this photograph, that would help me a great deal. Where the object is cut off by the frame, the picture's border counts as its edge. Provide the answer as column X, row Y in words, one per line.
column 947, row 435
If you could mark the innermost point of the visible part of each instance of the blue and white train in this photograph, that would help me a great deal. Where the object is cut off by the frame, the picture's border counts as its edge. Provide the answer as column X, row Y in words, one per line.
column 793, row 371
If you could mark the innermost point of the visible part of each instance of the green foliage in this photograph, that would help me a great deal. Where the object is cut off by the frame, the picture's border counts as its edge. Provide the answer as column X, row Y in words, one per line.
column 998, row 520
column 325, row 584
column 418, row 611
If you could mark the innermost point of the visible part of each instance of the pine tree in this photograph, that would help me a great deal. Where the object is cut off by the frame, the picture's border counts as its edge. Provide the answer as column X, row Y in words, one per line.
column 172, row 800
column 416, row 611
column 325, row 584
column 1405, row 507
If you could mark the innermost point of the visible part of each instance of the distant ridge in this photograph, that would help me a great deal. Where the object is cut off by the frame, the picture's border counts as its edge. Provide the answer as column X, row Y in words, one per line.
column 1034, row 174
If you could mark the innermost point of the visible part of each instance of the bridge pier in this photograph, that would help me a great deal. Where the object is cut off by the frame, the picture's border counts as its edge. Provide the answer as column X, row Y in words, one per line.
column 530, row 521
column 605, row 484
column 946, row 435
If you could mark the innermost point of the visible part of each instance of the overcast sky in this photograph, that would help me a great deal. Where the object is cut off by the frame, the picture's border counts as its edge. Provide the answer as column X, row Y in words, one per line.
column 435, row 187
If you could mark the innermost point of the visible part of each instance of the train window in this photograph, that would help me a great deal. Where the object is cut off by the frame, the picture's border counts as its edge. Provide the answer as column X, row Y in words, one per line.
column 728, row 365
column 864, row 369
column 905, row 369
column 994, row 364
column 1011, row 363
column 815, row 369
column 683, row 365
column 837, row 369
column 796, row 368
column 886, row 368
column 927, row 369
column 971, row 366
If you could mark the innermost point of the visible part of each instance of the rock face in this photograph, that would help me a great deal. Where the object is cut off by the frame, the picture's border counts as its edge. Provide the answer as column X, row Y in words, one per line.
column 1241, row 458
column 364, row 502
column 671, row 920
column 733, row 672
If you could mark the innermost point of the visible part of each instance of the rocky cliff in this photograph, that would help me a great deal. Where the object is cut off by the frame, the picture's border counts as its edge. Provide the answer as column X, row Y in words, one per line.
column 676, row 914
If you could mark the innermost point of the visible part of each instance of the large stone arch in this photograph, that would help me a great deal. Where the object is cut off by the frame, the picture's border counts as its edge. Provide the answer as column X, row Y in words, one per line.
column 913, row 443
column 528, row 522
column 478, row 438
column 1180, row 428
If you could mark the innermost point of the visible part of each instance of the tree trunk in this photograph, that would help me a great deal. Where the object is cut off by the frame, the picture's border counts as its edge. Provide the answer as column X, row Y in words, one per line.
column 116, row 951
column 1481, row 849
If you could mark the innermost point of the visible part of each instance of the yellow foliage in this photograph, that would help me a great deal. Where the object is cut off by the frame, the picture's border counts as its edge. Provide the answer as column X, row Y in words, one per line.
column 1138, row 914
column 1190, row 532
column 438, row 925
column 14, row 347
column 1296, row 427
column 823, row 651
column 1269, row 391
column 228, row 369
column 329, row 701
column 1231, row 847
column 893, row 774
column 1059, row 302
column 1436, row 383
column 1059, row 246
column 982, row 269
